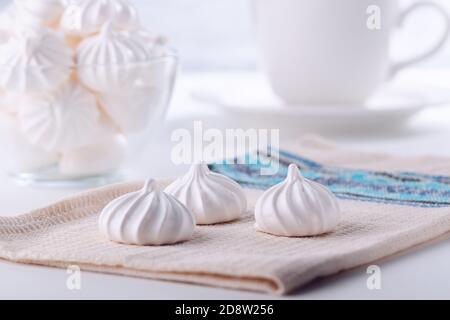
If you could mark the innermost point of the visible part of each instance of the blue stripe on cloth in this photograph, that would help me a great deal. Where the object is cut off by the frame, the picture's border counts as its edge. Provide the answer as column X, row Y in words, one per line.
column 403, row 188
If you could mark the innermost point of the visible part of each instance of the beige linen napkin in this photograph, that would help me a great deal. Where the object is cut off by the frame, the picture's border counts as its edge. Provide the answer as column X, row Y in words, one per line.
column 233, row 255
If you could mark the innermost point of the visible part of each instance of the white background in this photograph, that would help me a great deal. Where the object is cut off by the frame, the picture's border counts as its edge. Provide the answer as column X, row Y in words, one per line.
column 217, row 34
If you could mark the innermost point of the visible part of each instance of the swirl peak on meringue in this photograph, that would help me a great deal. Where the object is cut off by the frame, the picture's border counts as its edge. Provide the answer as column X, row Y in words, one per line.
column 147, row 217
column 297, row 207
column 213, row 198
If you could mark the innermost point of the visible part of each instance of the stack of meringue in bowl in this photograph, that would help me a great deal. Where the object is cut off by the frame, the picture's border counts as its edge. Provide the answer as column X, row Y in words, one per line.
column 78, row 79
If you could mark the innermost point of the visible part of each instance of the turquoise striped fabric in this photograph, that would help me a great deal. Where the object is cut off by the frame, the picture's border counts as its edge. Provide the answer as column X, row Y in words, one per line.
column 404, row 188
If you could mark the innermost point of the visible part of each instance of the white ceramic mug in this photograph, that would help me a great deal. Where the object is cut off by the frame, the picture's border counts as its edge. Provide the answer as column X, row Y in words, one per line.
column 333, row 51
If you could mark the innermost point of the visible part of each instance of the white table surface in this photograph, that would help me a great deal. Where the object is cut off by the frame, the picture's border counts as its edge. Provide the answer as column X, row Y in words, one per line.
column 419, row 273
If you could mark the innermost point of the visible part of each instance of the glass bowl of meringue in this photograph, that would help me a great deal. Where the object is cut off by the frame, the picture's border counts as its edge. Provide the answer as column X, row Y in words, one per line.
column 79, row 81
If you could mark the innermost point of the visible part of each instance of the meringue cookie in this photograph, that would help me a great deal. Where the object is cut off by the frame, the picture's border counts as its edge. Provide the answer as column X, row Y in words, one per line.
column 19, row 155
column 213, row 198
column 86, row 17
column 156, row 72
column 110, row 61
column 147, row 217
column 297, row 207
column 159, row 73
column 34, row 60
column 40, row 12
column 131, row 110
column 96, row 159
column 62, row 121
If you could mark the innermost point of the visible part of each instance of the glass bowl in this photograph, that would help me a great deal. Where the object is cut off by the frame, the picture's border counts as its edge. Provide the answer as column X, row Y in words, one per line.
column 73, row 134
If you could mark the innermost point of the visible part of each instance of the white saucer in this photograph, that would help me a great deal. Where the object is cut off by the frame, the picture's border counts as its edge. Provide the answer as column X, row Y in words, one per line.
column 251, row 96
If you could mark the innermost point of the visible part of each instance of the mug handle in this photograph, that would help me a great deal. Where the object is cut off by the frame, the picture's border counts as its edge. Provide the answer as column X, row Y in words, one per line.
column 430, row 52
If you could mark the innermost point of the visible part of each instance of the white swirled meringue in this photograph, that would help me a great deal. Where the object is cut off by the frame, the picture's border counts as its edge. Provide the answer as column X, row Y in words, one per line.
column 63, row 120
column 110, row 61
column 103, row 157
column 213, row 198
column 297, row 207
column 19, row 155
column 34, row 60
column 147, row 217
column 86, row 17
column 39, row 12
column 131, row 109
